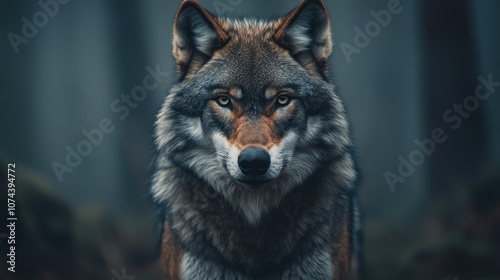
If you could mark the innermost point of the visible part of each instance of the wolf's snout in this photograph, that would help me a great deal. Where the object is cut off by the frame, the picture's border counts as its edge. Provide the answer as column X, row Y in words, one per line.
column 254, row 161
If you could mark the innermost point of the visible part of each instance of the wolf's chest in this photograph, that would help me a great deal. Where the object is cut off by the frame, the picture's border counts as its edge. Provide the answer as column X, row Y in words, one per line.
column 317, row 266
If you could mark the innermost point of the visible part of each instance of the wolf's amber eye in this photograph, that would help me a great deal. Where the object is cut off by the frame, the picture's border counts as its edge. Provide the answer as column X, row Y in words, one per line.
column 283, row 100
column 223, row 101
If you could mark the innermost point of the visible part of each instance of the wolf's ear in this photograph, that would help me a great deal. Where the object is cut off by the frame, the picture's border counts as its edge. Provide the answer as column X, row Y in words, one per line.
column 305, row 33
column 197, row 34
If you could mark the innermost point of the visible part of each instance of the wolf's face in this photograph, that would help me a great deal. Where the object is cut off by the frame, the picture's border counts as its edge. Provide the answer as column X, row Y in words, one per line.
column 253, row 108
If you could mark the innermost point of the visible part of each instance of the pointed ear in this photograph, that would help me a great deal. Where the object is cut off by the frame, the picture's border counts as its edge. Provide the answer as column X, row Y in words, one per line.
column 197, row 34
column 305, row 33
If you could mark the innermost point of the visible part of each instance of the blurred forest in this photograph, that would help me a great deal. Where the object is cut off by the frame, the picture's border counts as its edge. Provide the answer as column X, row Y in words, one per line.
column 411, row 77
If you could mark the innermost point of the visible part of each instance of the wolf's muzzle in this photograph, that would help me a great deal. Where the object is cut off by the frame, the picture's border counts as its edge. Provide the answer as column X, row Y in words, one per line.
column 254, row 161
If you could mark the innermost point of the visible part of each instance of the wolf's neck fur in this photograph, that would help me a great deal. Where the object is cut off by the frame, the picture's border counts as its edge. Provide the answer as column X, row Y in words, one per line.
column 208, row 227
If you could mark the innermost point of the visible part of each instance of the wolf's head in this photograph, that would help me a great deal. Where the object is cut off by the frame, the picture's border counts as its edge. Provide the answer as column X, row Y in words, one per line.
column 253, row 114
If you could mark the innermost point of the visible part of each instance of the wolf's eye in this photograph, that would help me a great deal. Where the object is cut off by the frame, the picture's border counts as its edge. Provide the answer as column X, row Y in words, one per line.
column 223, row 101
column 283, row 100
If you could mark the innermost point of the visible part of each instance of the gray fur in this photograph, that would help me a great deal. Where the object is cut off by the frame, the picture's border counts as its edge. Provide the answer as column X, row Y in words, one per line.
column 285, row 229
column 317, row 266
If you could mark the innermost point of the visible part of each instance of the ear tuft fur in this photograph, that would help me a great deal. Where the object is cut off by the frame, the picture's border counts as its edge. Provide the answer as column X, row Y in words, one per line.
column 197, row 34
column 305, row 33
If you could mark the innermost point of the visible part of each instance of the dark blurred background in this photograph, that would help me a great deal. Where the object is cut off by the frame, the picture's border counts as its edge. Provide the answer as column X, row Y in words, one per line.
column 404, row 80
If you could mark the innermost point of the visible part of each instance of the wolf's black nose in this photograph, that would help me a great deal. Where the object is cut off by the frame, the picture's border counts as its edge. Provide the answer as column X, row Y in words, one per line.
column 254, row 161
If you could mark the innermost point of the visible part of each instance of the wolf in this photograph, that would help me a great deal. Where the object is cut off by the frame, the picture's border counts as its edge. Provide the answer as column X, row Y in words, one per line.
column 255, row 170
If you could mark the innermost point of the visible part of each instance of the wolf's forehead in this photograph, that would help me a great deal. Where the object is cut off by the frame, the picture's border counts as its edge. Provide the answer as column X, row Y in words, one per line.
column 251, row 59
column 255, row 71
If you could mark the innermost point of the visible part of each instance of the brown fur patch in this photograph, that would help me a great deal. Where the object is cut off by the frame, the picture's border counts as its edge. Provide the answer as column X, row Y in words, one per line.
column 171, row 255
column 246, row 132
column 341, row 252
column 310, row 64
column 254, row 133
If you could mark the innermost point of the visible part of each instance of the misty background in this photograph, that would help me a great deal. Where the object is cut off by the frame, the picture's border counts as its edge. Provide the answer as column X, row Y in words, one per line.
column 97, row 222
